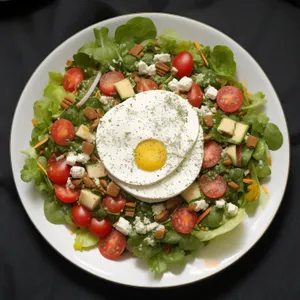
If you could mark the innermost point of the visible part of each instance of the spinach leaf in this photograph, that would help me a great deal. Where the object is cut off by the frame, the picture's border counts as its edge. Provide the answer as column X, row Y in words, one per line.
column 213, row 219
column 188, row 242
column 263, row 172
column 172, row 237
column 86, row 63
column 222, row 61
column 273, row 136
column 246, row 155
column 137, row 29
column 260, row 150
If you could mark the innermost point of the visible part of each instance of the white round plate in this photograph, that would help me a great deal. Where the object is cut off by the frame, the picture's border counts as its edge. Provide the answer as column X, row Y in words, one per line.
column 222, row 251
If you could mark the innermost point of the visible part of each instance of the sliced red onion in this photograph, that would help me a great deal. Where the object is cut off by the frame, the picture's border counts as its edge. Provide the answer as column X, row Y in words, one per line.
column 90, row 91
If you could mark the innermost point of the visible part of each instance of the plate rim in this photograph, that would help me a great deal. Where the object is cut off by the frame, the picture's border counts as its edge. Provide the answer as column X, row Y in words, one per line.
column 148, row 14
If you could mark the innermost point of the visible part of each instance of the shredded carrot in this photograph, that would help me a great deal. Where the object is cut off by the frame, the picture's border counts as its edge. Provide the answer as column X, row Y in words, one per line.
column 202, row 54
column 269, row 160
column 33, row 121
column 40, row 143
column 265, row 189
column 247, row 180
column 203, row 215
column 42, row 168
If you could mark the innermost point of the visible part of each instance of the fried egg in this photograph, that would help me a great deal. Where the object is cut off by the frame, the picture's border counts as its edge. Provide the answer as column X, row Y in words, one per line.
column 174, row 183
column 145, row 138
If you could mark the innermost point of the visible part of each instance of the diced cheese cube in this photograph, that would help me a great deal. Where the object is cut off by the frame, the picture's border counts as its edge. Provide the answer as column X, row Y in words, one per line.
column 211, row 92
column 123, row 226
column 89, row 199
column 185, row 84
column 227, row 126
column 173, row 85
column 96, row 170
column 84, row 133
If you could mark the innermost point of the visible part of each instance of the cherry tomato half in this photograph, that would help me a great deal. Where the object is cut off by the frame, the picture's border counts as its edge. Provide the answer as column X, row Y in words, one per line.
column 107, row 82
column 72, row 79
column 212, row 154
column 114, row 204
column 184, row 63
column 195, row 95
column 66, row 194
column 113, row 245
column 58, row 171
column 62, row 132
column 100, row 228
column 146, row 85
column 81, row 215
column 184, row 220
column 213, row 187
column 230, row 98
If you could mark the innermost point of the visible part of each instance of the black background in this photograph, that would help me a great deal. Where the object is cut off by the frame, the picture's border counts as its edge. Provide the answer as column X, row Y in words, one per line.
column 269, row 30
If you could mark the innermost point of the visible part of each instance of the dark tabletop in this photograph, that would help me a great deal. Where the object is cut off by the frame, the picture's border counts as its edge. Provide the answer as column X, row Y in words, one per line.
column 269, row 30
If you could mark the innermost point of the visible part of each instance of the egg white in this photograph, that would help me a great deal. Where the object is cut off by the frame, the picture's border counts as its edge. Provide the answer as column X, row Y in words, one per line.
column 174, row 183
column 160, row 115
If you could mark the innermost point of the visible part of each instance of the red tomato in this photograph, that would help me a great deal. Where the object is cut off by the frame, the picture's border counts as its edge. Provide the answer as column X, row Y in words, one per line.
column 230, row 98
column 184, row 220
column 113, row 245
column 167, row 248
column 72, row 79
column 62, row 132
column 107, row 82
column 114, row 204
column 100, row 228
column 66, row 194
column 195, row 95
column 146, row 85
column 213, row 187
column 212, row 154
column 58, row 171
column 81, row 215
column 184, row 63
column 239, row 155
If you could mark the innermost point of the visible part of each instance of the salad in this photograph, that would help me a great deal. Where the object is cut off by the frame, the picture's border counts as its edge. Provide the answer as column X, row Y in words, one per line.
column 90, row 174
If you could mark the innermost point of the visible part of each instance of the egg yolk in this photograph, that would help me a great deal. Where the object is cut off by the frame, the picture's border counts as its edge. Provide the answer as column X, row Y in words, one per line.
column 150, row 155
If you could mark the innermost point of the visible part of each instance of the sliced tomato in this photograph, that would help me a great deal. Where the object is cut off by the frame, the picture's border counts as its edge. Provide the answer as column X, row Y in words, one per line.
column 57, row 170
column 146, row 85
column 112, row 245
column 114, row 204
column 107, row 82
column 62, row 132
column 184, row 63
column 66, row 194
column 213, row 187
column 72, row 78
column 184, row 220
column 230, row 98
column 100, row 228
column 239, row 155
column 212, row 154
column 195, row 95
column 81, row 216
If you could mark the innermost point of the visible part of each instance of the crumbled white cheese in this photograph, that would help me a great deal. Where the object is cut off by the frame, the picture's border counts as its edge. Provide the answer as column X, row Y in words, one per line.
column 174, row 71
column 160, row 227
column 200, row 205
column 152, row 226
column 246, row 172
column 143, row 228
column 143, row 68
column 157, row 209
column 220, row 203
column 83, row 158
column 105, row 100
column 69, row 184
column 204, row 110
column 173, row 85
column 211, row 92
column 60, row 157
column 231, row 209
column 213, row 110
column 150, row 241
column 77, row 172
column 146, row 221
column 71, row 159
column 123, row 226
column 97, row 182
column 185, row 84
column 163, row 57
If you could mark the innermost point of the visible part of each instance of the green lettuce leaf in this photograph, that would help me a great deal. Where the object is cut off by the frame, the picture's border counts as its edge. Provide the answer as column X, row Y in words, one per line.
column 254, row 101
column 84, row 240
column 222, row 61
column 206, row 77
column 273, row 136
column 157, row 264
column 228, row 226
column 136, row 29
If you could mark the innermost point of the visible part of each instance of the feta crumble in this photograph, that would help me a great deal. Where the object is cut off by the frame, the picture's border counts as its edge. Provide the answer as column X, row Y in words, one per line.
column 77, row 172
column 143, row 68
column 69, row 184
column 149, row 241
column 211, row 92
column 163, row 57
column 83, row 158
column 157, row 209
column 123, row 226
column 231, row 209
column 200, row 205
column 143, row 228
column 184, row 84
column 220, row 203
